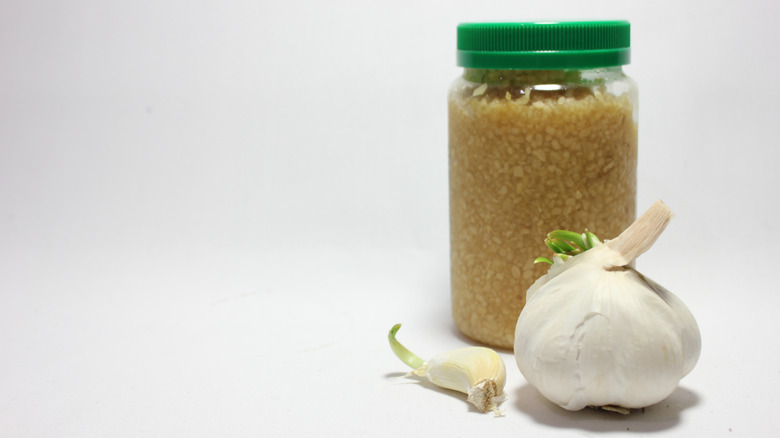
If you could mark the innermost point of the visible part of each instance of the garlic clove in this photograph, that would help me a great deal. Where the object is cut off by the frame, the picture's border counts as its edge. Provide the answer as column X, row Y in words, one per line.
column 478, row 372
column 464, row 368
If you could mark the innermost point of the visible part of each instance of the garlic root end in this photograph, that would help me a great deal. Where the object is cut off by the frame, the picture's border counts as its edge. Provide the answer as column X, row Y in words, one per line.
column 613, row 408
column 485, row 395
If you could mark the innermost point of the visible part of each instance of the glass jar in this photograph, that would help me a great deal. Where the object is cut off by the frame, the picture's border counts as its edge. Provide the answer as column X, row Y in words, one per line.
column 542, row 136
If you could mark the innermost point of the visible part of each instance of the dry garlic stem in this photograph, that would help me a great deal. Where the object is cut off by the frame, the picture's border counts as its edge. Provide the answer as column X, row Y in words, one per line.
column 595, row 332
column 476, row 371
column 641, row 235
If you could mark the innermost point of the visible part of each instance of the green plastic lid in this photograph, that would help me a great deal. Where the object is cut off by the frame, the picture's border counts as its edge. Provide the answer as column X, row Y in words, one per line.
column 544, row 45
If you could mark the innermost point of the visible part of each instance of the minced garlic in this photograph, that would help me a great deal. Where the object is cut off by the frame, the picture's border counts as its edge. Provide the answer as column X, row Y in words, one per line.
column 526, row 158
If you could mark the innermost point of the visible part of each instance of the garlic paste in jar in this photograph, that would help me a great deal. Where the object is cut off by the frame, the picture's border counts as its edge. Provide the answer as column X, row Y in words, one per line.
column 542, row 136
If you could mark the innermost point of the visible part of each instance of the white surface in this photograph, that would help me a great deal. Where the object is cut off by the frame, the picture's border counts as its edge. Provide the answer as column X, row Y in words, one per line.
column 212, row 213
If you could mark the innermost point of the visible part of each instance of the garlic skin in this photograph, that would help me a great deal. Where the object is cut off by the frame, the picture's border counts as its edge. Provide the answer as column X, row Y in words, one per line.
column 478, row 372
column 595, row 332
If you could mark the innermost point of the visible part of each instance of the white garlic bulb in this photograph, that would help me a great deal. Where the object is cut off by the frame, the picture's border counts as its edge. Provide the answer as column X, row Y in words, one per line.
column 595, row 332
column 478, row 372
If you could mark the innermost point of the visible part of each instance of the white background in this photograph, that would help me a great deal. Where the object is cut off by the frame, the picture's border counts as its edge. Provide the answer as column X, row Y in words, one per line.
column 212, row 212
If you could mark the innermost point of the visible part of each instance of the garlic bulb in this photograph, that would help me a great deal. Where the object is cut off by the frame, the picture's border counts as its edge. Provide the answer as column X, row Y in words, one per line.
column 476, row 371
column 595, row 332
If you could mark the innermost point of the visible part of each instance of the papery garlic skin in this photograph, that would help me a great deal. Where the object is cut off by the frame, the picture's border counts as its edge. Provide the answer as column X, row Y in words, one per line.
column 595, row 334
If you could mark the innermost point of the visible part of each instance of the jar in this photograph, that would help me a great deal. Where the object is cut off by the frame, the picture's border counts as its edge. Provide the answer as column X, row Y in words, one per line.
column 542, row 136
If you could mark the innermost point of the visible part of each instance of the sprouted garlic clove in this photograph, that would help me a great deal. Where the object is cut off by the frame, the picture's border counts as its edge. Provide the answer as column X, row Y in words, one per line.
column 478, row 372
